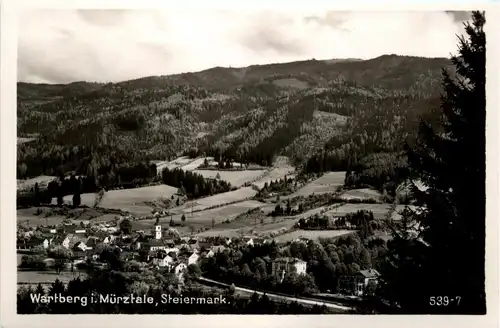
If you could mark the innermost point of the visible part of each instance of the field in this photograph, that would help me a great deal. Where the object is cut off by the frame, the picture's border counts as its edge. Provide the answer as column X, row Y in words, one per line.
column 130, row 200
column 133, row 200
column 325, row 184
column 364, row 193
column 260, row 225
column 27, row 215
column 36, row 277
column 219, row 199
column 236, row 178
column 42, row 180
column 275, row 174
column 311, row 234
column 380, row 211
column 196, row 163
column 203, row 219
column 178, row 162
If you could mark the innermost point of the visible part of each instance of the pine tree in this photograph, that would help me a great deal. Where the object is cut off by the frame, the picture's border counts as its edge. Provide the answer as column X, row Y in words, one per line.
column 427, row 253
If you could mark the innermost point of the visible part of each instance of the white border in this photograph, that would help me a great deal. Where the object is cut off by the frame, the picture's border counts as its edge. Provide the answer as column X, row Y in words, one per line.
column 8, row 123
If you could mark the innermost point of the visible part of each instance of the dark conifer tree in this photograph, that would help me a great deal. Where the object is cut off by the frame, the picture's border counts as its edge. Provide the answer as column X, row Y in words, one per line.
column 427, row 253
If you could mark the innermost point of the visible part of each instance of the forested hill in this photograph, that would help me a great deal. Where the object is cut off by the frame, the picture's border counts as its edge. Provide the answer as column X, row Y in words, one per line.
column 327, row 114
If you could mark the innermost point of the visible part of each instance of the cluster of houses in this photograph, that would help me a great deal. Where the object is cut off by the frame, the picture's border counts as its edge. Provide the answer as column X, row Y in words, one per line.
column 161, row 248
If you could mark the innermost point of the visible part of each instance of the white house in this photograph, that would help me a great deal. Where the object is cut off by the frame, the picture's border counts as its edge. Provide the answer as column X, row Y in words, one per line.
column 46, row 243
column 193, row 259
column 179, row 271
column 65, row 242
column 284, row 265
column 164, row 262
column 363, row 278
column 81, row 246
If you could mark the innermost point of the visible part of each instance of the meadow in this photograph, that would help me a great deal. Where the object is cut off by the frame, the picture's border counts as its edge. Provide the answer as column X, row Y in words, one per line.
column 380, row 211
column 274, row 174
column 200, row 220
column 327, row 183
column 35, row 277
column 28, row 216
column 236, row 178
column 311, row 234
column 362, row 194
column 216, row 200
column 196, row 163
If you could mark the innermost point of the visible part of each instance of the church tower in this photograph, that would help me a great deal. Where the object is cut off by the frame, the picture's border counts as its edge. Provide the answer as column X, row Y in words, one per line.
column 157, row 229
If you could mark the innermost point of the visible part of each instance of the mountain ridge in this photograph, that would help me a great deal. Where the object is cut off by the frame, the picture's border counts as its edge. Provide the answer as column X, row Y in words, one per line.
column 248, row 114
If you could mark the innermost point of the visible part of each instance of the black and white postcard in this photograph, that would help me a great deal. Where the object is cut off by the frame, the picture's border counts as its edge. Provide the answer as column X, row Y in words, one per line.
column 247, row 159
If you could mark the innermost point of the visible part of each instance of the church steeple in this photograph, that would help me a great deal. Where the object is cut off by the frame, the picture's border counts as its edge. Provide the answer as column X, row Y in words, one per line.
column 157, row 229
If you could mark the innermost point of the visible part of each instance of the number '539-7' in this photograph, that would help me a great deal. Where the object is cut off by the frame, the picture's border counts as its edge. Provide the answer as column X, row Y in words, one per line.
column 443, row 300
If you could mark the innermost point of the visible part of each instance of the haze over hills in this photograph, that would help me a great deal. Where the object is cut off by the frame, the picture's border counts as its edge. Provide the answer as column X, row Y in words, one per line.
column 355, row 107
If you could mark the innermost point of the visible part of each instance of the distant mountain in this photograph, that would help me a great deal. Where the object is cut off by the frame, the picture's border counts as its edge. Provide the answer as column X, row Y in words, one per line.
column 252, row 113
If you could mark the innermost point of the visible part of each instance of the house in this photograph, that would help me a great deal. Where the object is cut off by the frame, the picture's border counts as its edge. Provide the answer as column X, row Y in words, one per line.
column 193, row 244
column 75, row 242
column 156, row 244
column 193, row 259
column 174, row 250
column 217, row 249
column 166, row 261
column 362, row 279
column 46, row 243
column 179, row 271
column 284, row 265
column 248, row 241
column 79, row 246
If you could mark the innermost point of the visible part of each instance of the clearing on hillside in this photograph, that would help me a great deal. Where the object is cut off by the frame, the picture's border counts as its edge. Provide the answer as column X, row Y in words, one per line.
column 200, row 220
column 362, row 194
column 178, row 162
column 219, row 199
column 134, row 200
column 380, row 211
column 236, row 178
column 311, row 234
column 196, row 163
column 327, row 183
column 279, row 171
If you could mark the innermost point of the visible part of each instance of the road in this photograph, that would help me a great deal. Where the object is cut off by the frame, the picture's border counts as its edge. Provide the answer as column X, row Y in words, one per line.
column 281, row 297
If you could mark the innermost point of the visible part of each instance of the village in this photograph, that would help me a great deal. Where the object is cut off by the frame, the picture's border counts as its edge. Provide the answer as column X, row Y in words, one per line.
column 73, row 249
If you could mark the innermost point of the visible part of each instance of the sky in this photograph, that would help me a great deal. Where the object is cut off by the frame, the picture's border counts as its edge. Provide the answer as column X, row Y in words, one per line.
column 63, row 46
